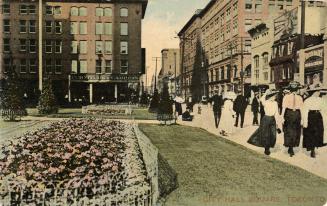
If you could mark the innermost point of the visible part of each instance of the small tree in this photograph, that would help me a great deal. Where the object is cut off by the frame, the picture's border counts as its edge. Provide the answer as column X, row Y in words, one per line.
column 154, row 102
column 165, row 109
column 47, row 101
column 12, row 101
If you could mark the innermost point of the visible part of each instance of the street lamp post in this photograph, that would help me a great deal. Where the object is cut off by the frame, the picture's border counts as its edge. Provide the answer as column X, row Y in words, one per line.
column 175, row 75
column 40, row 44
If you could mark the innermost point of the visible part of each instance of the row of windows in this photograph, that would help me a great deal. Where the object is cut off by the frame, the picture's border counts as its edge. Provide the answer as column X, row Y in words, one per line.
column 25, row 9
column 101, row 28
column 257, row 60
column 50, row 46
column 77, row 66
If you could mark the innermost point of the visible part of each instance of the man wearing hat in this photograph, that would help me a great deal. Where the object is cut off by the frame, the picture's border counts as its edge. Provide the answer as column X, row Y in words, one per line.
column 313, row 126
column 217, row 102
column 292, row 108
column 255, row 108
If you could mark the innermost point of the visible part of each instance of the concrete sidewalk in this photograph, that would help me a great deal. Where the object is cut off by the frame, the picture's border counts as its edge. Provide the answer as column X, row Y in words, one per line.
column 301, row 159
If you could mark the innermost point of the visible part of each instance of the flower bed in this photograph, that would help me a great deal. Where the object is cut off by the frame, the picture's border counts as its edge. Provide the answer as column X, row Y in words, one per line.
column 110, row 110
column 70, row 160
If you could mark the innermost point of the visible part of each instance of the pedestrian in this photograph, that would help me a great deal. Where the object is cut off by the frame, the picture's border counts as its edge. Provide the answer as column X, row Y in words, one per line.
column 265, row 135
column 239, row 107
column 313, row 126
column 186, row 116
column 255, row 108
column 217, row 102
column 226, row 126
column 324, row 114
column 292, row 108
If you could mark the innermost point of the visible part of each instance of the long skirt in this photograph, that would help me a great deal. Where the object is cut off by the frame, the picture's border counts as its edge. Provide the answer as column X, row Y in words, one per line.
column 313, row 135
column 265, row 135
column 227, row 121
column 292, row 128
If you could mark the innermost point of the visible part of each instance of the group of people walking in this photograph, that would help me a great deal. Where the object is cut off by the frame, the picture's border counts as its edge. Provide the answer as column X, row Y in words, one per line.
column 289, row 112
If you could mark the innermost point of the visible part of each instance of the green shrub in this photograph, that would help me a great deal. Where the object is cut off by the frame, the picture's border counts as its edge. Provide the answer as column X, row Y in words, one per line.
column 47, row 101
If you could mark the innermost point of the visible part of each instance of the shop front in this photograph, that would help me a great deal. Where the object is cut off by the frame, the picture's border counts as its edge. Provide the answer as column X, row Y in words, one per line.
column 314, row 65
column 102, row 88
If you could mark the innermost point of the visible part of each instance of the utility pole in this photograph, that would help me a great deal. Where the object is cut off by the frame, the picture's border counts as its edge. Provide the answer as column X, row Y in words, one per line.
column 175, row 74
column 302, row 43
column 242, row 71
column 155, row 73
column 40, row 45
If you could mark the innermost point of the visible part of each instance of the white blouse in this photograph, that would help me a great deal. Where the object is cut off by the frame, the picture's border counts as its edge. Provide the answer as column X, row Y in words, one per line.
column 270, row 106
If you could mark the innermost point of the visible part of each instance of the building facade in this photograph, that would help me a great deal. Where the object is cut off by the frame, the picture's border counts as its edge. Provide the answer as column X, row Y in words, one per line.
column 170, row 70
column 90, row 50
column 227, row 44
column 288, row 61
column 189, row 36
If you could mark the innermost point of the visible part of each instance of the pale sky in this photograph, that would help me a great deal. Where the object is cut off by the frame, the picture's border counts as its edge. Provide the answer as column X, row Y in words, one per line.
column 163, row 20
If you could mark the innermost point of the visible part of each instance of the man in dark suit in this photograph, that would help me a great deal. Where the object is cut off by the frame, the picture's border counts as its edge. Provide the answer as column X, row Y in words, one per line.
column 239, row 107
column 216, row 102
column 255, row 108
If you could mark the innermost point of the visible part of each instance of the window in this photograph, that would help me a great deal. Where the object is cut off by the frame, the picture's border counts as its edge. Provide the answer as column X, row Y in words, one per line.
column 123, row 12
column 23, row 9
column 83, row 66
column 123, row 28
column 248, row 24
column 265, row 75
column 32, row 65
column 6, row 26
column 222, row 73
column 48, row 65
column 6, row 64
column 124, row 66
column 82, row 11
column 32, row 9
column 108, row 28
column 98, row 66
column 98, row 47
column 22, row 26
column 235, row 8
column 124, row 47
column 48, row 46
column 74, row 66
column 73, row 28
column 108, row 66
column 82, row 28
column 57, row 10
column 58, row 27
column 235, row 27
column 23, row 66
column 6, row 9
column 99, row 11
column 48, row 10
column 22, row 45
column 108, row 47
column 256, row 61
column 58, row 46
column 58, row 66
column 248, row 7
column 247, row 47
column 32, row 46
column 107, row 12
column 48, row 26
column 74, row 11
column 32, row 26
column 265, row 59
column 280, row 6
column 258, row 8
column 98, row 28
column 83, row 47
column 6, row 45
column 74, row 46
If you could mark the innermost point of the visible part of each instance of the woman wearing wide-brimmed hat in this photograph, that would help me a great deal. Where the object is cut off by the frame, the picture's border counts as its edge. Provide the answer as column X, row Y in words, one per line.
column 313, row 126
column 265, row 135
column 292, row 109
column 226, row 125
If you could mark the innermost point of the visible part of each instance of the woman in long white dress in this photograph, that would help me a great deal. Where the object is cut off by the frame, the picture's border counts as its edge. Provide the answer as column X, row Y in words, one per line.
column 226, row 125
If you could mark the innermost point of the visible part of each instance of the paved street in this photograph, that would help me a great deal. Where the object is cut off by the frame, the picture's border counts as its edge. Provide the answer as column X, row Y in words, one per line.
column 301, row 159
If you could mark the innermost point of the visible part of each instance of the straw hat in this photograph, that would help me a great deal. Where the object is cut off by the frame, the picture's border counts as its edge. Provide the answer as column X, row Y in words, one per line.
column 271, row 93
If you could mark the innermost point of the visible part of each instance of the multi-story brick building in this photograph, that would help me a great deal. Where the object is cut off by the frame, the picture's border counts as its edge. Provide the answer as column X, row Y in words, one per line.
column 91, row 49
column 189, row 35
column 226, row 43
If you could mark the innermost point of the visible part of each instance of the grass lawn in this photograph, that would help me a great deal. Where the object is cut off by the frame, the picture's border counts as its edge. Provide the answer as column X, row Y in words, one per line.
column 77, row 113
column 215, row 171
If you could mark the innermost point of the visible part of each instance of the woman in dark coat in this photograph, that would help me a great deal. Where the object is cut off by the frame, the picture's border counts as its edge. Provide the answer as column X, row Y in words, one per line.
column 313, row 125
column 265, row 135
